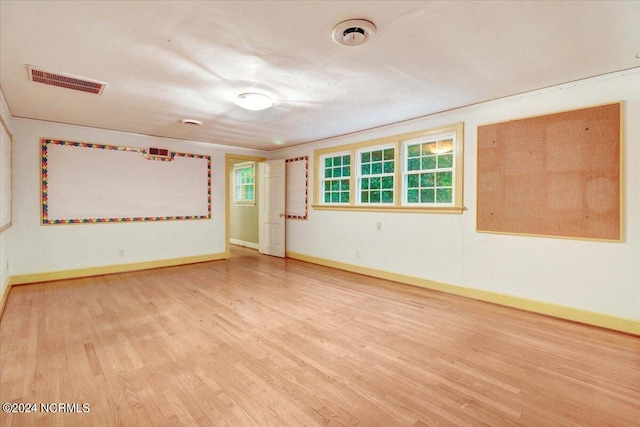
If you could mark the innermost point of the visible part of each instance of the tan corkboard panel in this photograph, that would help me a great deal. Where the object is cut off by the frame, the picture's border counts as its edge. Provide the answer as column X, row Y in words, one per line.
column 555, row 175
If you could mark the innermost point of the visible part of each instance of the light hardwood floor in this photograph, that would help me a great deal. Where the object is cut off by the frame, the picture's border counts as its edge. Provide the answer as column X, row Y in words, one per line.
column 260, row 341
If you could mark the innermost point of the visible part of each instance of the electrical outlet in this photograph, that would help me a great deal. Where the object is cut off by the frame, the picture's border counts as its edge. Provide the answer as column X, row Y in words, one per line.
column 121, row 252
column 379, row 226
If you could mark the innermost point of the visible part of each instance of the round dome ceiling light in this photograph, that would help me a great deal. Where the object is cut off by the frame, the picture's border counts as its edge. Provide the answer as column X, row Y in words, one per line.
column 254, row 101
column 353, row 32
column 191, row 122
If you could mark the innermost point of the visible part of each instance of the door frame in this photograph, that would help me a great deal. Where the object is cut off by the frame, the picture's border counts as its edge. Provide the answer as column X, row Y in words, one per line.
column 227, row 186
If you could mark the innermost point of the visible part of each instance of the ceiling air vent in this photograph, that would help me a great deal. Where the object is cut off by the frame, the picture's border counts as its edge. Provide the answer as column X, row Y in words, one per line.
column 65, row 80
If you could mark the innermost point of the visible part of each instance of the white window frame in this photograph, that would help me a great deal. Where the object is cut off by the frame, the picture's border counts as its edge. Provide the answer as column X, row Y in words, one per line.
column 238, row 187
column 360, row 176
column 400, row 203
column 324, row 179
column 438, row 139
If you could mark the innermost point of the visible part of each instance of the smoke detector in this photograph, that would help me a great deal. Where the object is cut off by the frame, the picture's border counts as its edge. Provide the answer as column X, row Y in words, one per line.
column 353, row 32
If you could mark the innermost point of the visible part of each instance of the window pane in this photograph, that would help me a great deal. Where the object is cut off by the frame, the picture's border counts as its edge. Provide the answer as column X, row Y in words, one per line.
column 327, row 162
column 413, row 181
column 346, row 171
column 335, row 197
column 445, row 146
column 337, row 161
column 444, row 195
column 376, row 168
column 429, row 162
column 337, row 172
column 412, row 196
column 366, row 157
column 387, row 196
column 375, row 196
column 364, row 184
column 344, row 184
column 376, row 155
column 328, row 173
column 346, row 160
column 429, row 148
column 388, row 167
column 413, row 164
column 427, row 180
column 389, row 154
column 413, row 150
column 366, row 169
column 327, row 197
column 327, row 185
column 445, row 161
column 387, row 182
column 426, row 196
column 335, row 185
column 443, row 179
column 374, row 183
column 344, row 197
column 364, row 196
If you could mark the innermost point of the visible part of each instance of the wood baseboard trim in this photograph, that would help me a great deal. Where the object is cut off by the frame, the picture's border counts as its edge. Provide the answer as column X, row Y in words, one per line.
column 629, row 326
column 5, row 296
column 111, row 269
column 244, row 243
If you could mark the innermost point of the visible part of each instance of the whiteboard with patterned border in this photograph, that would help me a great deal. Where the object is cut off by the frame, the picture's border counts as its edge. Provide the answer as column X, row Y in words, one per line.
column 95, row 183
column 297, row 183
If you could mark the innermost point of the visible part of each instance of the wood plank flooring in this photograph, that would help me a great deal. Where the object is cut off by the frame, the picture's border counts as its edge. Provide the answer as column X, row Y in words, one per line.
column 260, row 341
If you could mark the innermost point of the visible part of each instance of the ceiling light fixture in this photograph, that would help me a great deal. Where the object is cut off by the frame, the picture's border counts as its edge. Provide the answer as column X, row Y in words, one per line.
column 254, row 101
column 191, row 122
column 353, row 32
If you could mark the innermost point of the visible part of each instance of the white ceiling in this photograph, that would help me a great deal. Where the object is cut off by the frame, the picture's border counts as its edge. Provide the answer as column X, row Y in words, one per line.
column 168, row 60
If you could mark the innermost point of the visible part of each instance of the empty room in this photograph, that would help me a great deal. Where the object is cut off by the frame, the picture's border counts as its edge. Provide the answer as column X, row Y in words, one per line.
column 306, row 213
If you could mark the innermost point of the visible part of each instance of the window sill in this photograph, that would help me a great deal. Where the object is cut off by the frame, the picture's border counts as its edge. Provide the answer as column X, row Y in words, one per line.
column 458, row 210
column 245, row 204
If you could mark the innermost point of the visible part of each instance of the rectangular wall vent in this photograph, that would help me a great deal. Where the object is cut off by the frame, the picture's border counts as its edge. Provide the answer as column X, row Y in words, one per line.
column 158, row 153
column 65, row 80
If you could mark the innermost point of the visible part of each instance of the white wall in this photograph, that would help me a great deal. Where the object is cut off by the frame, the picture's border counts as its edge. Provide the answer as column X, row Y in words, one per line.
column 39, row 249
column 4, row 236
column 596, row 276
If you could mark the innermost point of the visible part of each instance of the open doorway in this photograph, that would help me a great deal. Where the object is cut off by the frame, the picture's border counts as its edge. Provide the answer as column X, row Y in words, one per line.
column 242, row 201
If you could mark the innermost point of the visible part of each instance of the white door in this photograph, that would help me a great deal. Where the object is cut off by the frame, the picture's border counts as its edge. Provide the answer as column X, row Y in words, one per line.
column 271, row 202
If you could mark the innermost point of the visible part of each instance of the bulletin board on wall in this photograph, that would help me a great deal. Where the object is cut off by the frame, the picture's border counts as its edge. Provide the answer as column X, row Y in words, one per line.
column 297, row 184
column 97, row 183
column 6, row 175
column 554, row 175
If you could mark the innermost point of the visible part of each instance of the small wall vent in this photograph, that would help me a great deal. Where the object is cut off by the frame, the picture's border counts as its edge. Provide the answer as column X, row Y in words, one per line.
column 67, row 81
column 158, row 153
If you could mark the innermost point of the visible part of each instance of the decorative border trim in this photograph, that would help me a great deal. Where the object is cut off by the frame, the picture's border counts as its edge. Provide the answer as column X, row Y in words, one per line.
column 629, row 326
column 45, row 192
column 306, row 187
